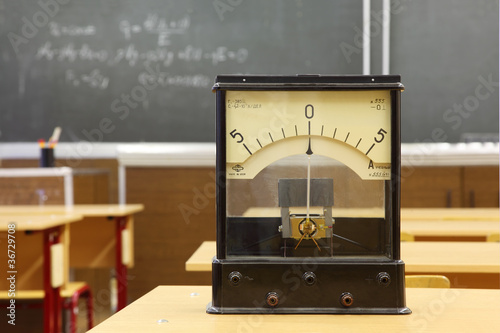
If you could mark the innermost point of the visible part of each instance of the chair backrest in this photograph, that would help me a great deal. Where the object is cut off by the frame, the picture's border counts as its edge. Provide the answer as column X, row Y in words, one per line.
column 427, row 281
column 406, row 237
column 495, row 237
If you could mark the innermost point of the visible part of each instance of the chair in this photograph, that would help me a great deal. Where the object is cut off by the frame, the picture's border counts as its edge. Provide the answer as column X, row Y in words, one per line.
column 427, row 281
column 69, row 296
column 495, row 237
column 70, row 292
column 406, row 237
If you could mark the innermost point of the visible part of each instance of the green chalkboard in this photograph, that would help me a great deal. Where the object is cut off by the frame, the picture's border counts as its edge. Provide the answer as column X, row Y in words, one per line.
column 142, row 70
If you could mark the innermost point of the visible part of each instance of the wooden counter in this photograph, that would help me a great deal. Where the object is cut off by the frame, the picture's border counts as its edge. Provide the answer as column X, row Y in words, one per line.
column 182, row 309
column 467, row 264
column 435, row 257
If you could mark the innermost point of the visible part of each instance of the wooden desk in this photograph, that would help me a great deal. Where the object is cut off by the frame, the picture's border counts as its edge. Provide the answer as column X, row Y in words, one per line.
column 454, row 214
column 430, row 214
column 103, row 239
column 33, row 239
column 451, row 257
column 462, row 262
column 426, row 223
column 457, row 229
column 201, row 260
column 435, row 257
column 182, row 309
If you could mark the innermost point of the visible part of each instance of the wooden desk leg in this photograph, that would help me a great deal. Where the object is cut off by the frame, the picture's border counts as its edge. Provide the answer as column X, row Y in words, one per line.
column 52, row 301
column 121, row 269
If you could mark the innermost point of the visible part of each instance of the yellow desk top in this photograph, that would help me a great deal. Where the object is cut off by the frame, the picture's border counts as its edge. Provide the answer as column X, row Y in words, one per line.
column 89, row 249
column 201, row 260
column 422, row 222
column 433, row 214
column 37, row 222
column 451, row 257
column 85, row 210
column 419, row 257
column 450, row 228
column 455, row 214
column 29, row 247
column 182, row 309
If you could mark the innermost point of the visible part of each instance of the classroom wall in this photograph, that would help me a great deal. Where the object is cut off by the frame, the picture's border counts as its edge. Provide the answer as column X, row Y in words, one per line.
column 179, row 214
column 446, row 52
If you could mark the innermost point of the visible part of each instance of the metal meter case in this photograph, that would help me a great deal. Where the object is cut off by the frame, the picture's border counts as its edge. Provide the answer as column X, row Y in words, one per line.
column 308, row 195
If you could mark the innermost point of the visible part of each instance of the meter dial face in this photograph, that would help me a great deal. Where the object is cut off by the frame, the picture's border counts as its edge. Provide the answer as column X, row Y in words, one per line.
column 352, row 127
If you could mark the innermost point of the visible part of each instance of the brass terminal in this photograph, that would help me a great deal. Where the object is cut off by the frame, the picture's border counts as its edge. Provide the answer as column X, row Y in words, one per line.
column 346, row 299
column 272, row 299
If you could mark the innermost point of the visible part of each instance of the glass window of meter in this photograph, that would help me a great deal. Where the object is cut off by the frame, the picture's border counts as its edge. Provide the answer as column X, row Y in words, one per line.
column 308, row 174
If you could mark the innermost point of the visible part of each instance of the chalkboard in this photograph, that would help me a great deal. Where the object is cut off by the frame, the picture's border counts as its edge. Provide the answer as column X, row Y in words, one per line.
column 142, row 71
column 447, row 55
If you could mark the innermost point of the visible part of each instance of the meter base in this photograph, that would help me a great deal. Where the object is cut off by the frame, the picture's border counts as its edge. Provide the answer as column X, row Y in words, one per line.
column 307, row 286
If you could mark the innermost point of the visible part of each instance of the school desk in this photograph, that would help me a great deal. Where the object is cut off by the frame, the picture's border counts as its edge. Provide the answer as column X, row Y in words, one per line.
column 104, row 238
column 425, row 223
column 434, row 257
column 453, row 214
column 430, row 214
column 450, row 229
column 472, row 264
column 38, row 247
column 182, row 309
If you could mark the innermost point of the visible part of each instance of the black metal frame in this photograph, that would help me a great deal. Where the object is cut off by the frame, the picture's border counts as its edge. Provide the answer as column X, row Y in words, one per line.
column 224, row 303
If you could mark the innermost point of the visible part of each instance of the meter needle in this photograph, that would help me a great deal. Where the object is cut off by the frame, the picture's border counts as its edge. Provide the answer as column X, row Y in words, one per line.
column 309, row 152
column 308, row 191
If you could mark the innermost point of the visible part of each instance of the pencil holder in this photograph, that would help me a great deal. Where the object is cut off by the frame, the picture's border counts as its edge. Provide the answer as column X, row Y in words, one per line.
column 47, row 159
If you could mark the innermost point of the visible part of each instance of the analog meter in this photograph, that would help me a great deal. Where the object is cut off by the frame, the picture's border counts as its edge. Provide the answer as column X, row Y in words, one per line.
column 308, row 195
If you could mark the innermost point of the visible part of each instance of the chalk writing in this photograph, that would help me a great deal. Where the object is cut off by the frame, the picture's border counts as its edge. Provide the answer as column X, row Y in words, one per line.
column 132, row 56
column 70, row 53
column 94, row 79
column 132, row 52
column 222, row 54
column 165, row 79
column 156, row 25
column 58, row 30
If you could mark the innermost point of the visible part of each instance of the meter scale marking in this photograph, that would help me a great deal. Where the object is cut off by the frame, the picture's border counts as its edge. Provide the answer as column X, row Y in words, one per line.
column 358, row 142
column 360, row 145
column 248, row 150
column 373, row 145
column 260, row 144
column 257, row 161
